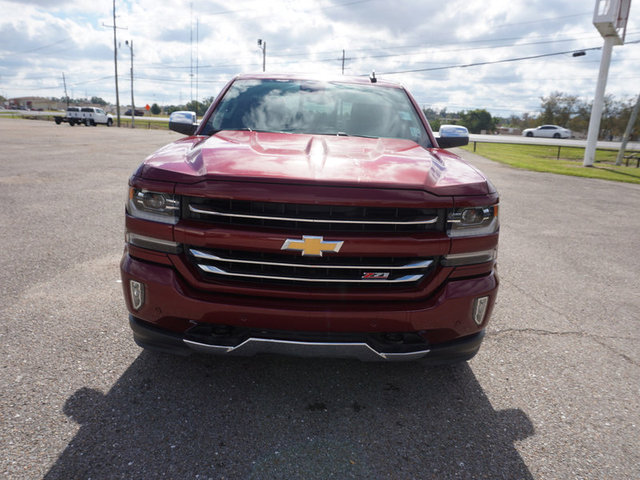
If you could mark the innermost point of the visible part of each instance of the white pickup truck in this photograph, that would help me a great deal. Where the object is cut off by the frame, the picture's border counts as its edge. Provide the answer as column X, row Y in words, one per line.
column 87, row 115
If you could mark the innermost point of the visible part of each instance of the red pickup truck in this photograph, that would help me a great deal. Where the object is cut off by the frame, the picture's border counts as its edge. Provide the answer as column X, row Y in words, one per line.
column 311, row 217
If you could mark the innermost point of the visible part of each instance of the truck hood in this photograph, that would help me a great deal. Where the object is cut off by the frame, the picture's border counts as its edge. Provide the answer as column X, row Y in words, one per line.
column 314, row 159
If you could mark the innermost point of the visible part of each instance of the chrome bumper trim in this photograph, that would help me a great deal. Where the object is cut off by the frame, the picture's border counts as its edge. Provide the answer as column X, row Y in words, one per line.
column 219, row 271
column 410, row 266
column 253, row 346
column 201, row 211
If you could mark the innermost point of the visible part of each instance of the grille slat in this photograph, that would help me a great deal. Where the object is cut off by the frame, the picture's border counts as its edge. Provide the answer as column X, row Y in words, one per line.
column 278, row 269
column 334, row 218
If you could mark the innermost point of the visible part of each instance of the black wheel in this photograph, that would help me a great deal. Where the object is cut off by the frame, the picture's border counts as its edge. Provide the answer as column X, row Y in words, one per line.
column 109, row 122
column 71, row 123
column 529, row 134
column 58, row 120
column 556, row 135
column 93, row 123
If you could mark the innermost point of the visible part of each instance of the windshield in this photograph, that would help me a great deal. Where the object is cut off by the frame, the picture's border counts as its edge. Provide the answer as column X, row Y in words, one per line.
column 320, row 108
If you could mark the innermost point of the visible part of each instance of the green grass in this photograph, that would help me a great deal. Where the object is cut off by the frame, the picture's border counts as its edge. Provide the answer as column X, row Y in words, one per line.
column 541, row 158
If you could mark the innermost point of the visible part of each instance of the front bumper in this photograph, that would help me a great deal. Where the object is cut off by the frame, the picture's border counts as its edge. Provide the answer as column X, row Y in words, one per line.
column 439, row 328
column 148, row 336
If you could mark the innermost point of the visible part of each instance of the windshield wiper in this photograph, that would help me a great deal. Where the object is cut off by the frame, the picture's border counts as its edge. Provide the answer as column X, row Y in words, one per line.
column 236, row 129
column 345, row 134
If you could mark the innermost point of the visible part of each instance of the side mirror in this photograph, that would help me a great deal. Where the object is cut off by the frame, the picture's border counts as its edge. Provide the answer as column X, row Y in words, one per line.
column 451, row 136
column 183, row 122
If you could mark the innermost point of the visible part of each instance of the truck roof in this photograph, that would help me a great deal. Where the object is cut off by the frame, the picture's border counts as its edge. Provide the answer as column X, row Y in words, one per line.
column 360, row 80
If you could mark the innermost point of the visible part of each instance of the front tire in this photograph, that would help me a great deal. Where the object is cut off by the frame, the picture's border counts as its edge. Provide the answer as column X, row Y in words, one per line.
column 529, row 134
column 556, row 135
column 109, row 122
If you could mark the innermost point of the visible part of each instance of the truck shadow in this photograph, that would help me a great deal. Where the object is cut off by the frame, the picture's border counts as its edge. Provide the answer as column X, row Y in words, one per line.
column 271, row 417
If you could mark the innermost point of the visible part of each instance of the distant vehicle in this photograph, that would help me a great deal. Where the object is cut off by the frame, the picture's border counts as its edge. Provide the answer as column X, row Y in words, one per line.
column 138, row 113
column 89, row 116
column 547, row 131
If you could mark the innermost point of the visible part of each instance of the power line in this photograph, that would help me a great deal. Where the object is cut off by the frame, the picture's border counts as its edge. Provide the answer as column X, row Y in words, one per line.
column 23, row 52
column 391, row 55
column 493, row 62
column 548, row 19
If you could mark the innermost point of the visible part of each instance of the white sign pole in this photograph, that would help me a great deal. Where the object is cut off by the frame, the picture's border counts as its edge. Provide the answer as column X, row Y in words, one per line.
column 610, row 19
column 598, row 103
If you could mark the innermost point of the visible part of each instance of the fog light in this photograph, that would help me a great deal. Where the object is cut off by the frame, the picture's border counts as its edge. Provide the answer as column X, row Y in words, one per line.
column 479, row 309
column 137, row 294
column 470, row 258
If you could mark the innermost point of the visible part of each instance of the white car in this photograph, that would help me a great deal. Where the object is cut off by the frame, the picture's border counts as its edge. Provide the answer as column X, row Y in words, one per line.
column 547, row 131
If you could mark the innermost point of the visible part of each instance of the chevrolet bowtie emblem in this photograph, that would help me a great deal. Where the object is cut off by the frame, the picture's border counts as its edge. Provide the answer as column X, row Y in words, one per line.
column 313, row 246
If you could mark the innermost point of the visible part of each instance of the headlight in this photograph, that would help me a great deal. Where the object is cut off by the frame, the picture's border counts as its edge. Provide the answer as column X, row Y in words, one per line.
column 472, row 221
column 155, row 206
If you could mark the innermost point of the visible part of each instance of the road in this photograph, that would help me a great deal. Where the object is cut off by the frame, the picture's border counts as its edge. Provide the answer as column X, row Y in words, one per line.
column 552, row 394
column 561, row 142
column 34, row 113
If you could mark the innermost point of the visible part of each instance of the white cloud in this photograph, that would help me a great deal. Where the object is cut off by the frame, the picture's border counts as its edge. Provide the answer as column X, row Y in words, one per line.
column 39, row 40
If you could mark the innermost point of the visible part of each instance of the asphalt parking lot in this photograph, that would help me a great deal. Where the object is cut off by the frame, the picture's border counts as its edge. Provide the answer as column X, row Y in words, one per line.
column 553, row 393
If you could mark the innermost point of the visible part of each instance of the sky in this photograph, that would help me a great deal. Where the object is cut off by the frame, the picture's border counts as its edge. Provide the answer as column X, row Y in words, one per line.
column 189, row 49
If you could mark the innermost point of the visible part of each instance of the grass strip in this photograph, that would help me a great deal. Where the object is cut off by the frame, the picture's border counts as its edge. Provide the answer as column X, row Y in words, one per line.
column 543, row 158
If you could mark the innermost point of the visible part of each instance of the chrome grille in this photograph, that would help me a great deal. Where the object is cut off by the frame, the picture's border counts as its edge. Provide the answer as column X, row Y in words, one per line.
column 326, row 218
column 282, row 269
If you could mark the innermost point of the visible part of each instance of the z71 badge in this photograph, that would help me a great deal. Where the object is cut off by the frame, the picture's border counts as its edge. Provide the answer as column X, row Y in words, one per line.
column 375, row 275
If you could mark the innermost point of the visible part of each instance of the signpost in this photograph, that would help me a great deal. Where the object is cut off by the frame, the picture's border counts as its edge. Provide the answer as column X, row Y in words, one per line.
column 610, row 18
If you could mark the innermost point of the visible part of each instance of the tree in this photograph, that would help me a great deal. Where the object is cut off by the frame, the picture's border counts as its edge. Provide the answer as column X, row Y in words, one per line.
column 625, row 116
column 477, row 120
column 199, row 107
column 558, row 108
column 435, row 124
column 579, row 122
column 441, row 117
column 98, row 101
column 155, row 109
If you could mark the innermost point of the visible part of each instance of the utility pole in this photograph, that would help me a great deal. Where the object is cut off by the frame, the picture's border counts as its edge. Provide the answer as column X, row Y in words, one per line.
column 115, row 61
column 64, row 81
column 133, row 105
column 262, row 45
column 191, row 48
column 342, row 61
column 197, row 64
column 627, row 132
